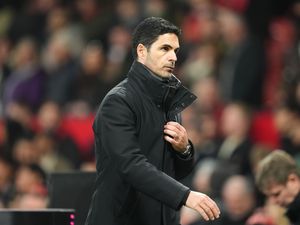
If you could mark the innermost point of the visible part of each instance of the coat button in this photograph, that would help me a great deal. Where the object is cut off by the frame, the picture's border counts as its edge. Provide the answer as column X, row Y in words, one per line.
column 183, row 104
column 158, row 106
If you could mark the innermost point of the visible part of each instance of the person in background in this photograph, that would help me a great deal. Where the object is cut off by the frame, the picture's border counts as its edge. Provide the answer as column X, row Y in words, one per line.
column 278, row 177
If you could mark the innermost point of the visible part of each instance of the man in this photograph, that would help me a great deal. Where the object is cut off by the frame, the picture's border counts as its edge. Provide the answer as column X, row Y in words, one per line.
column 278, row 178
column 141, row 148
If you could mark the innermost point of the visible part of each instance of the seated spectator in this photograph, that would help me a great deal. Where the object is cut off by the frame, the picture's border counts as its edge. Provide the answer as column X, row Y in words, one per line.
column 27, row 79
column 61, row 66
column 90, row 84
column 50, row 121
column 51, row 158
column 234, row 148
column 30, row 188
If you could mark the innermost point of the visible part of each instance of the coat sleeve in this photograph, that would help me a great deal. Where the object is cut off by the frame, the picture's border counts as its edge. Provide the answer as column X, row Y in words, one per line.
column 184, row 165
column 115, row 124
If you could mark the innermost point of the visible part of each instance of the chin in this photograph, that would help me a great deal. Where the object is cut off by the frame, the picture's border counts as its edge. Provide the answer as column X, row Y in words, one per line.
column 167, row 74
column 164, row 74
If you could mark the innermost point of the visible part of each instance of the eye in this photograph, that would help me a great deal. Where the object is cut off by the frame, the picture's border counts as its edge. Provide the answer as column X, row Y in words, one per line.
column 165, row 48
column 276, row 194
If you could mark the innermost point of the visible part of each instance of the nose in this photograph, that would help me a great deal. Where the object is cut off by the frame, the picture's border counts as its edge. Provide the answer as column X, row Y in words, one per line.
column 173, row 56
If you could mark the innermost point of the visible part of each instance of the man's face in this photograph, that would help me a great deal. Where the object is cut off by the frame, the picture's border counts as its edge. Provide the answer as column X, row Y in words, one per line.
column 160, row 57
column 284, row 194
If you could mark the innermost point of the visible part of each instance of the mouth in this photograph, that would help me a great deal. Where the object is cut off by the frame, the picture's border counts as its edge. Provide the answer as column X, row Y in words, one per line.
column 170, row 68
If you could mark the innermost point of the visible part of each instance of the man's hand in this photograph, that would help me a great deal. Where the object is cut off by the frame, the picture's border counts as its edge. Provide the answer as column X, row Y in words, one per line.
column 203, row 204
column 176, row 135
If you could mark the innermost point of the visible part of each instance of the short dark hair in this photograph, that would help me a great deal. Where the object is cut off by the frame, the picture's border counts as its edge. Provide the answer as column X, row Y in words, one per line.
column 149, row 29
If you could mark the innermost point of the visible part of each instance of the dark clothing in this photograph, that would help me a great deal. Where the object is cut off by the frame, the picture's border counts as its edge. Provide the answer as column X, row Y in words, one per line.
column 238, row 154
column 91, row 89
column 293, row 211
column 242, row 73
column 136, row 167
column 25, row 85
column 60, row 83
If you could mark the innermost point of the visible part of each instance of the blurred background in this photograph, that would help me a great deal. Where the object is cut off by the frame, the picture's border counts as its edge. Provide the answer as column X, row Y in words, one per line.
column 58, row 59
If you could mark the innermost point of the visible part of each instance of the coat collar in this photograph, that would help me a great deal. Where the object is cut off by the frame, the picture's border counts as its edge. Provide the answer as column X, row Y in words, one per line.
column 157, row 87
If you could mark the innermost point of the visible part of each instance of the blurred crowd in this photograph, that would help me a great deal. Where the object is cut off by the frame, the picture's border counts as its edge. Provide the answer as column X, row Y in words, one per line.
column 58, row 59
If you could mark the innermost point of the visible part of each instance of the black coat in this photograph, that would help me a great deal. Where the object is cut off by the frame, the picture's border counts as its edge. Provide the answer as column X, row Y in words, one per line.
column 136, row 168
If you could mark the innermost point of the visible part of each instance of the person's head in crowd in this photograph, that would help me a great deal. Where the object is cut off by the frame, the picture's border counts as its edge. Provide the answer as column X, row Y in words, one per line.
column 118, row 53
column 30, row 178
column 49, row 117
column 284, row 119
column 57, row 19
column 238, row 196
column 200, row 24
column 119, row 39
column 207, row 92
column 92, row 59
column 128, row 12
column 25, row 152
column 30, row 188
column 201, row 6
column 231, row 26
column 42, row 6
column 156, row 8
column 278, row 178
column 59, row 51
column 44, row 143
column 25, row 53
column 88, row 9
column 236, row 120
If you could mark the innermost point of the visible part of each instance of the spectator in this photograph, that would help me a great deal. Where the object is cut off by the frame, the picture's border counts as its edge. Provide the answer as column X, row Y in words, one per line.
column 278, row 178
column 27, row 80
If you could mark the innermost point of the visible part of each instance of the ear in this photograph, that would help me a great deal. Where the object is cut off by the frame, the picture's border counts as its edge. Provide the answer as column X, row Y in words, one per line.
column 293, row 182
column 141, row 51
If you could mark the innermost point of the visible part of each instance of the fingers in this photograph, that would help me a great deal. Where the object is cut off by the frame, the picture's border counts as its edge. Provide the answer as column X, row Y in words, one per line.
column 205, row 212
column 171, row 133
column 175, row 127
column 204, row 205
column 208, row 209
column 179, row 143
column 177, row 132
